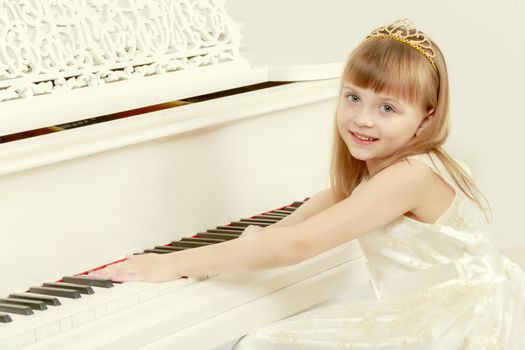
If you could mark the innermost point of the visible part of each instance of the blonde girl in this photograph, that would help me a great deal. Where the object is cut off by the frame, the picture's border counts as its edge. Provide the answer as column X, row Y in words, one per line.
column 436, row 271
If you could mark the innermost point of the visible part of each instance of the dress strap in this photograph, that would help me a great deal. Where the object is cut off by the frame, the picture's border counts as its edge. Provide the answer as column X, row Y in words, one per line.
column 433, row 161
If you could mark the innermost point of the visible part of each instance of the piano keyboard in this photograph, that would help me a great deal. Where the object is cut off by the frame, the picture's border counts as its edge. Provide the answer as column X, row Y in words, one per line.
column 54, row 307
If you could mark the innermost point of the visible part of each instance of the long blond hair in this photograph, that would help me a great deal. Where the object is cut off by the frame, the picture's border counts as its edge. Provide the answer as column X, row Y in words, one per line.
column 389, row 66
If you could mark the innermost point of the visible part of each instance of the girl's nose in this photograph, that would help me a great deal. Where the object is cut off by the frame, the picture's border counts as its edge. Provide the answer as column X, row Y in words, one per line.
column 363, row 119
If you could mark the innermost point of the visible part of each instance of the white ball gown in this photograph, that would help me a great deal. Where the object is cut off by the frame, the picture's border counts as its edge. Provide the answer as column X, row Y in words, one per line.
column 438, row 286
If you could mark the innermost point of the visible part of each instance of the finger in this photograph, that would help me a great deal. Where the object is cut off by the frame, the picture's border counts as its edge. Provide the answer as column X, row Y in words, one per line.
column 251, row 229
column 102, row 274
column 245, row 233
column 108, row 272
column 126, row 275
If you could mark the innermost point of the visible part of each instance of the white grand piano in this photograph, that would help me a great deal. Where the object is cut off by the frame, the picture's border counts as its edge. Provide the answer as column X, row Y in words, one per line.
column 125, row 126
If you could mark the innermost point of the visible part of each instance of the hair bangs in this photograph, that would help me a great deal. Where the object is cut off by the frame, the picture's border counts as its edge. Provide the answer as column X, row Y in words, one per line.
column 389, row 67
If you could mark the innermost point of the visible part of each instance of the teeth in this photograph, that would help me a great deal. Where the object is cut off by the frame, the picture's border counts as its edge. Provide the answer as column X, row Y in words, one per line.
column 363, row 138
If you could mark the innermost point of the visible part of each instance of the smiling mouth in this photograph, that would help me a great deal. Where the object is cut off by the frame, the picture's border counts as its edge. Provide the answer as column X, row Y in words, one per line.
column 363, row 138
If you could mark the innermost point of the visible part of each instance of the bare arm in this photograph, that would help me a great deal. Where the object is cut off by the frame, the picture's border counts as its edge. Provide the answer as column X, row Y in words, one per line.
column 317, row 203
column 388, row 195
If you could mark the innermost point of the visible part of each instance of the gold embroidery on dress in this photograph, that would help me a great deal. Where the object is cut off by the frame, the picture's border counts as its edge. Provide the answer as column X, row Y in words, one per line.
column 369, row 321
column 458, row 222
column 491, row 343
column 287, row 337
column 423, row 251
column 411, row 318
column 424, row 333
column 396, row 242
column 430, row 252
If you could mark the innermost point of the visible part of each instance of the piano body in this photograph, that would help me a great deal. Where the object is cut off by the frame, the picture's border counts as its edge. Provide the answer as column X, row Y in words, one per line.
column 128, row 126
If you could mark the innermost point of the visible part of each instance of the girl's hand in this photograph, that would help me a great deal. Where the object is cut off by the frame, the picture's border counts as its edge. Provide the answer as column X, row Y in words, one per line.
column 144, row 267
column 250, row 229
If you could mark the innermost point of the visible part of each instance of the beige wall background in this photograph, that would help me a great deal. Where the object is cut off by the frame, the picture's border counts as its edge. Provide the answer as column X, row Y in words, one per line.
column 484, row 45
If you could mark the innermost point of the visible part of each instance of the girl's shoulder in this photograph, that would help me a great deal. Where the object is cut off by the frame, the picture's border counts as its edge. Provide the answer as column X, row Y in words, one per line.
column 440, row 191
column 435, row 163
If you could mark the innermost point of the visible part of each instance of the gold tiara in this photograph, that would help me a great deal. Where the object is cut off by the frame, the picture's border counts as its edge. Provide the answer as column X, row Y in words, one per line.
column 404, row 31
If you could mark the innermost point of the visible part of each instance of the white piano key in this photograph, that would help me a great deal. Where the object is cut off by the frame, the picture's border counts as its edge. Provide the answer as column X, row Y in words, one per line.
column 124, row 295
column 169, row 287
column 149, row 321
column 100, row 311
column 47, row 330
column 74, row 313
column 83, row 317
column 65, row 324
column 19, row 341
column 16, row 340
column 148, row 294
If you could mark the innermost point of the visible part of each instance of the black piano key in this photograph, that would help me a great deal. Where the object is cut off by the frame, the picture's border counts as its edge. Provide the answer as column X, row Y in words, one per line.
column 155, row 251
column 184, row 244
column 281, row 215
column 272, row 217
column 16, row 309
column 58, row 292
column 228, row 228
column 33, row 304
column 224, row 236
column 257, row 222
column 169, row 248
column 285, row 212
column 88, row 281
column 247, row 223
column 78, row 287
column 202, row 239
column 267, row 217
column 74, row 285
column 262, row 221
column 230, row 232
column 5, row 318
column 45, row 299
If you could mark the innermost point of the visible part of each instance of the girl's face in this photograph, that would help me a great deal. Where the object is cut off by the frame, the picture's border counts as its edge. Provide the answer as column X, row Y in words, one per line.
column 390, row 121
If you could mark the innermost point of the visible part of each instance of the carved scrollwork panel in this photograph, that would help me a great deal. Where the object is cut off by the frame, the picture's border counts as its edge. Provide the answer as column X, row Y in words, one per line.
column 68, row 44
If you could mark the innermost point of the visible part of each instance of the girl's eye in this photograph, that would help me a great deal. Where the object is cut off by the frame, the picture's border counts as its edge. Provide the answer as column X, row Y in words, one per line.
column 353, row 98
column 388, row 109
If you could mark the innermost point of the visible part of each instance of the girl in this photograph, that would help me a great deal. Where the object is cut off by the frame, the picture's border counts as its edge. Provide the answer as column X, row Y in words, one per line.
column 439, row 278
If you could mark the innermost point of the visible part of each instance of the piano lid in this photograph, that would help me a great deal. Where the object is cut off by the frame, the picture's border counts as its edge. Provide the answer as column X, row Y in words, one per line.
column 289, row 58
column 67, row 63
column 288, row 38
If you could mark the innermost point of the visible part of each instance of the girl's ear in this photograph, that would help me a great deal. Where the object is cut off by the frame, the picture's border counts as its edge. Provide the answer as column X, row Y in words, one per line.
column 425, row 121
